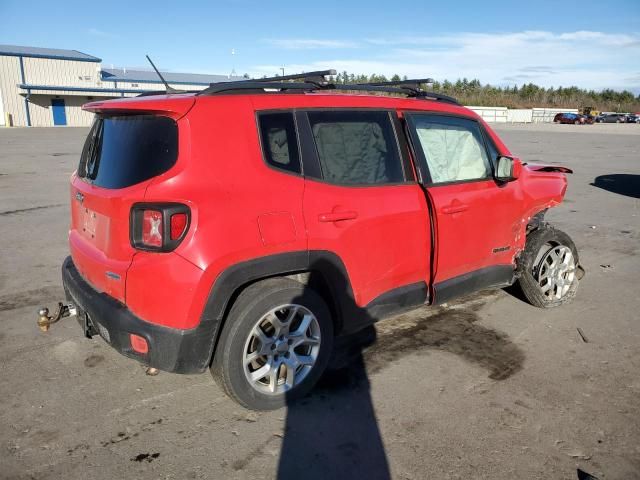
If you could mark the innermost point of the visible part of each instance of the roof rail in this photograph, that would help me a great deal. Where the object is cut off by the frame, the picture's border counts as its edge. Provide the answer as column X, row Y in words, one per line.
column 308, row 79
column 436, row 96
column 245, row 86
column 151, row 93
column 305, row 77
column 411, row 82
column 413, row 89
column 314, row 81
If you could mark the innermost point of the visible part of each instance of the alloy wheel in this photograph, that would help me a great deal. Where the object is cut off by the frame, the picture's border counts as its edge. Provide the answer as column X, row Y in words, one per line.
column 555, row 271
column 281, row 349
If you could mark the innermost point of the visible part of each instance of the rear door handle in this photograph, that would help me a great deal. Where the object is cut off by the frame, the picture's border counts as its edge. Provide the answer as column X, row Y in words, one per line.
column 337, row 216
column 455, row 208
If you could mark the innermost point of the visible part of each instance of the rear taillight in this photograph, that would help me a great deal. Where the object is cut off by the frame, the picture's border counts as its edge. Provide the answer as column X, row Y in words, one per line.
column 152, row 228
column 158, row 227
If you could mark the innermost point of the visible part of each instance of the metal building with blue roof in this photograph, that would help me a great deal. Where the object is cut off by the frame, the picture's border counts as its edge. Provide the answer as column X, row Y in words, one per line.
column 42, row 87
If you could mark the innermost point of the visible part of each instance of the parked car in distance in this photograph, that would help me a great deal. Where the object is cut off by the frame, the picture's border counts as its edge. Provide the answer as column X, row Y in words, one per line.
column 611, row 118
column 573, row 118
column 632, row 118
column 244, row 228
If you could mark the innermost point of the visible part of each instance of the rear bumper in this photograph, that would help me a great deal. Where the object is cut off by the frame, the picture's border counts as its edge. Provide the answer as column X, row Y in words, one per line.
column 171, row 350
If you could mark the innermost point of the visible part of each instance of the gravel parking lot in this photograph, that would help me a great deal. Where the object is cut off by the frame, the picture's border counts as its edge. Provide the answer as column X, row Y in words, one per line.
column 488, row 387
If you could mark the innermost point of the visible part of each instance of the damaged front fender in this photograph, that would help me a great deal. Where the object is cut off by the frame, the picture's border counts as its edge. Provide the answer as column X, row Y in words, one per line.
column 545, row 167
column 543, row 187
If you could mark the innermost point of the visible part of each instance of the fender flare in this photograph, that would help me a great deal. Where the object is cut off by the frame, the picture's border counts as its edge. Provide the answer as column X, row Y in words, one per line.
column 327, row 275
column 536, row 221
column 234, row 279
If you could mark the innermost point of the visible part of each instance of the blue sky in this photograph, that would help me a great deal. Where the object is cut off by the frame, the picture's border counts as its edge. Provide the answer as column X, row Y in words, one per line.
column 592, row 44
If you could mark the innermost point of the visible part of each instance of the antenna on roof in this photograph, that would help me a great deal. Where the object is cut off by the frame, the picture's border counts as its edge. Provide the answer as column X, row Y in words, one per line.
column 233, row 66
column 166, row 85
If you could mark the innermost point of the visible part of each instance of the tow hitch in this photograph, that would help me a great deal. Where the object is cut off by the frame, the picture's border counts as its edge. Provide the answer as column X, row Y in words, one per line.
column 64, row 310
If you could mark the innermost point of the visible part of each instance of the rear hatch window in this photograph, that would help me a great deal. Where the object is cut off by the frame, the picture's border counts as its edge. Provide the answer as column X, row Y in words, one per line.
column 123, row 150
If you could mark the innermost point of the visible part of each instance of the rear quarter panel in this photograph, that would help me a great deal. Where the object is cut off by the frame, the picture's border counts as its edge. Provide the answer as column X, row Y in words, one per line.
column 241, row 208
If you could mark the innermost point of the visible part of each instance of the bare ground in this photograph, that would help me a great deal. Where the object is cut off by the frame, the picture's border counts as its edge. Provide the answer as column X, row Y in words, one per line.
column 488, row 387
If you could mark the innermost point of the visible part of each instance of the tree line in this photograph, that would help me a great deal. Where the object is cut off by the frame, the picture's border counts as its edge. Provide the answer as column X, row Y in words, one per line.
column 528, row 95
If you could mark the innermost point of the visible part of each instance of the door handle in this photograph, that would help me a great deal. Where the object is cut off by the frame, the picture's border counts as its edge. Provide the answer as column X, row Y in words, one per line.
column 455, row 208
column 337, row 216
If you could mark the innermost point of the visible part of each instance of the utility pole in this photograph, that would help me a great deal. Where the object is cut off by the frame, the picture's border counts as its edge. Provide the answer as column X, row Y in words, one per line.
column 282, row 68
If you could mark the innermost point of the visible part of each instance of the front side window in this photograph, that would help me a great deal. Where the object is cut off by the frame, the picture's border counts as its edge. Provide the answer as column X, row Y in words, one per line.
column 452, row 147
column 279, row 141
column 356, row 147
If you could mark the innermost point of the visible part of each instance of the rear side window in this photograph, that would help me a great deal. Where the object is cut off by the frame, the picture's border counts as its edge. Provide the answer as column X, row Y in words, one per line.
column 121, row 151
column 279, row 141
column 356, row 147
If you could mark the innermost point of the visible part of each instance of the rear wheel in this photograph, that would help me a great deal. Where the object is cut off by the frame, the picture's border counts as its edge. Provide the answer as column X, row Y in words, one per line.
column 548, row 268
column 275, row 345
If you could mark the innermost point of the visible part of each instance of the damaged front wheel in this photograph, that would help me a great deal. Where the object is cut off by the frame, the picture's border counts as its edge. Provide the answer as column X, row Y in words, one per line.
column 548, row 268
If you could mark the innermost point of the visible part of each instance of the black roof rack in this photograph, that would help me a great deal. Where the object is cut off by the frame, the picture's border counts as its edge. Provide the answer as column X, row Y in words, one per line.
column 409, row 92
column 314, row 81
column 411, row 83
column 309, row 80
column 317, row 76
column 256, row 85
column 413, row 89
column 436, row 96
column 151, row 93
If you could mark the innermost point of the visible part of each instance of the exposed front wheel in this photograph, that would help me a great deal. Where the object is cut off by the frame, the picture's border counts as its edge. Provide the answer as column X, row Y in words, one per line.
column 548, row 268
column 275, row 345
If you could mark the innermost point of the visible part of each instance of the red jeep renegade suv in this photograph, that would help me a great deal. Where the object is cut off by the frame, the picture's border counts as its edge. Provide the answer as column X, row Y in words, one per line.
column 246, row 227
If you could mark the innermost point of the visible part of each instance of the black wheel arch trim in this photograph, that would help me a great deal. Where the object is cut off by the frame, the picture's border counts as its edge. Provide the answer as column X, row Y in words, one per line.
column 191, row 351
column 349, row 317
column 536, row 221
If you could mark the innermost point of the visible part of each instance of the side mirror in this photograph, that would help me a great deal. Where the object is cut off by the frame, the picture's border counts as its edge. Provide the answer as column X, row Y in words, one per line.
column 507, row 168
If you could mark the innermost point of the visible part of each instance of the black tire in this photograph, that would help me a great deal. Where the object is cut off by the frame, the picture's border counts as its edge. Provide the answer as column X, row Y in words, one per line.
column 251, row 305
column 539, row 242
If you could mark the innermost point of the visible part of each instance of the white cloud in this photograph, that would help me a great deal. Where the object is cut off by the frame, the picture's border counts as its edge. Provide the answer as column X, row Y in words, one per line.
column 100, row 33
column 309, row 43
column 583, row 58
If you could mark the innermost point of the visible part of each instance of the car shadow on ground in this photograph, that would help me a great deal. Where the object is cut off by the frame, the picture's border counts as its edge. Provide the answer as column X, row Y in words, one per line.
column 620, row 183
column 334, row 433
